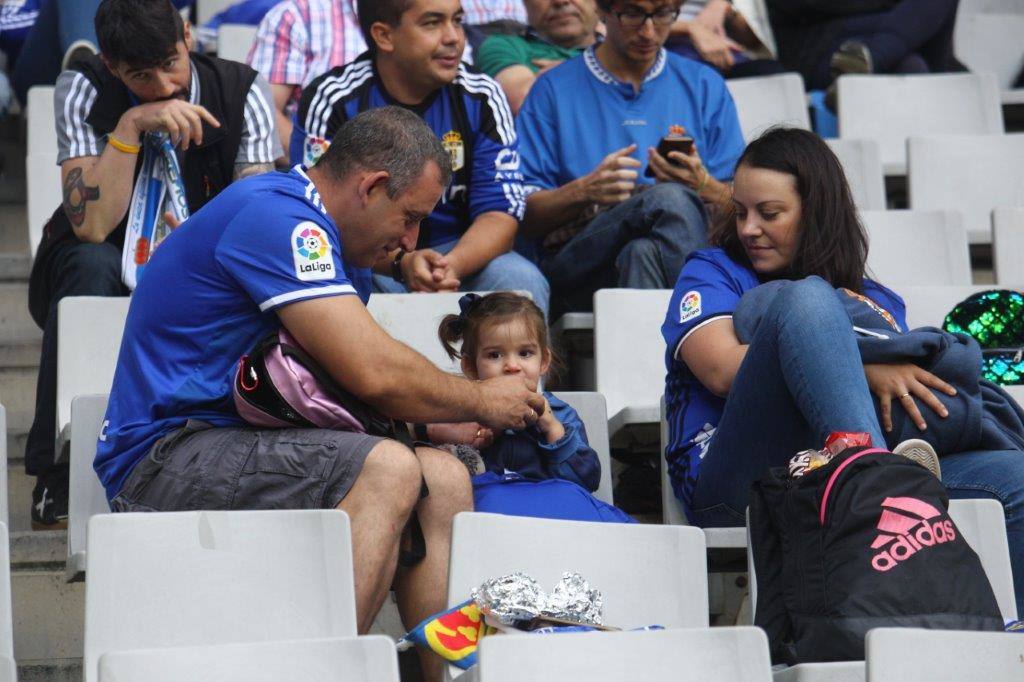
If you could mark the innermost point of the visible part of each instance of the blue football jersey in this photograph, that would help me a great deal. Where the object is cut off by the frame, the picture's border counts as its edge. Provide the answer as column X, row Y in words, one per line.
column 470, row 116
column 208, row 297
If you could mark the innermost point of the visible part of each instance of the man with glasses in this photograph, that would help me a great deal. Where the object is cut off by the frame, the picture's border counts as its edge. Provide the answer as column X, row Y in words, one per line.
column 606, row 208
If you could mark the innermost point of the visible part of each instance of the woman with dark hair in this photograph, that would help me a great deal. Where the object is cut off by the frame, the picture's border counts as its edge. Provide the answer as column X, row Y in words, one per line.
column 736, row 409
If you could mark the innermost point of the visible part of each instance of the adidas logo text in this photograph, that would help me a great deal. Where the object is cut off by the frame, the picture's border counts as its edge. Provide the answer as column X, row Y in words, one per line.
column 905, row 525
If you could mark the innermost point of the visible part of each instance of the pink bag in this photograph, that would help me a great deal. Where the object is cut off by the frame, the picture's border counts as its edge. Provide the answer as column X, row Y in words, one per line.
column 278, row 385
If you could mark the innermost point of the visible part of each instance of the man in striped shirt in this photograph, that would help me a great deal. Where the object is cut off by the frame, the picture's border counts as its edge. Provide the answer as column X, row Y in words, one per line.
column 147, row 133
column 415, row 62
column 297, row 41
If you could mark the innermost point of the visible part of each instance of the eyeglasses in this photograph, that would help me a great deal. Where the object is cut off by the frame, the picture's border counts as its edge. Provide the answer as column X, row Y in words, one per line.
column 632, row 18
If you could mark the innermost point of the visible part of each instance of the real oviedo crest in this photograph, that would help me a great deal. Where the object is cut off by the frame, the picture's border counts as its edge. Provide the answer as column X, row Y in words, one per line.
column 452, row 143
column 311, row 252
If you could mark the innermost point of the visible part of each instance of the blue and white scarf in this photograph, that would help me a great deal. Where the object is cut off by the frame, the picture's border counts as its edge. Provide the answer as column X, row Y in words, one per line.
column 158, row 189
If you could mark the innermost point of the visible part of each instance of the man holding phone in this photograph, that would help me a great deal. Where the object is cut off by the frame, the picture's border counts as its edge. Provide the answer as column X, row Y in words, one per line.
column 588, row 160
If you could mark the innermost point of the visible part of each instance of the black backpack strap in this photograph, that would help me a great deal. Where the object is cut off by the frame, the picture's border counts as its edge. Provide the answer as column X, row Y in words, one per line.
column 770, row 612
column 417, row 550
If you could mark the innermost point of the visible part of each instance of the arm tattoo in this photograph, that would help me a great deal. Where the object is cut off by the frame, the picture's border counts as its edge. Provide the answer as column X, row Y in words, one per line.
column 76, row 195
column 244, row 170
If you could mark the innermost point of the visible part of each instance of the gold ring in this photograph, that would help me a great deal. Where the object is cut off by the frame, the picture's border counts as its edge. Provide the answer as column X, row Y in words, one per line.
column 478, row 432
column 905, row 395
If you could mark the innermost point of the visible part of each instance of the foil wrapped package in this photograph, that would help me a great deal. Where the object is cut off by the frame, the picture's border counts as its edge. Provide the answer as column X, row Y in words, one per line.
column 517, row 597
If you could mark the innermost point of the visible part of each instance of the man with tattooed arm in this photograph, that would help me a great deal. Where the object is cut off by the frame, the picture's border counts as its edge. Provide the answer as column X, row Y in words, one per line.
column 147, row 133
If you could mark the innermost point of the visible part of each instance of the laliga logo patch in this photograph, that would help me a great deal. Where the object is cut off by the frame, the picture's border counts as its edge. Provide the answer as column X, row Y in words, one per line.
column 452, row 143
column 689, row 307
column 311, row 252
column 312, row 149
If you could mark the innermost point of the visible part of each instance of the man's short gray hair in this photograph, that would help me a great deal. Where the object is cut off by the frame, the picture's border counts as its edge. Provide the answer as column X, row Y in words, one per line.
column 388, row 139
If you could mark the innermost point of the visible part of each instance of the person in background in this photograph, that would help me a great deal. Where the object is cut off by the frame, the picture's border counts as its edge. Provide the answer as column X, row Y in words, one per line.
column 714, row 32
column 485, row 18
column 823, row 39
column 605, row 208
column 298, row 40
column 62, row 31
column 415, row 62
column 147, row 133
column 558, row 30
column 735, row 409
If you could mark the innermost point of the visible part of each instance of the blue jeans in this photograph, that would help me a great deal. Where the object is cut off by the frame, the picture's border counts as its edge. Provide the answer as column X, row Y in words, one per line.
column 507, row 272
column 639, row 244
column 801, row 379
column 59, row 24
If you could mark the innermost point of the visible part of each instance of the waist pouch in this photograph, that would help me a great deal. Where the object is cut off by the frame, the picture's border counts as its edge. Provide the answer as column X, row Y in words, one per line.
column 279, row 385
column 865, row 541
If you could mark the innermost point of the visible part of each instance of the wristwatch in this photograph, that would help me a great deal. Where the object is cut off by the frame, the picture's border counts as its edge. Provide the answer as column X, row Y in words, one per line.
column 396, row 267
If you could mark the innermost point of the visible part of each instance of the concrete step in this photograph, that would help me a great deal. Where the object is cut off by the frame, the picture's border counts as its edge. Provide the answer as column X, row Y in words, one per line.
column 13, row 225
column 15, row 266
column 49, row 616
column 19, row 499
column 38, row 550
column 16, row 324
column 18, row 395
column 59, row 670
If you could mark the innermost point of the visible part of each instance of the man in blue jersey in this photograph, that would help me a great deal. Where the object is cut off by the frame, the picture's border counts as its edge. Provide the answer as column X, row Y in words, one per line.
column 414, row 62
column 289, row 249
column 605, row 207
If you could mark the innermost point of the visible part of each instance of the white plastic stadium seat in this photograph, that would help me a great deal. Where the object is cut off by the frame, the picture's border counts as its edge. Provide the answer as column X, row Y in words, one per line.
column 41, row 170
column 203, row 578
column 6, row 621
column 234, row 41
column 889, row 109
column 648, row 574
column 862, row 165
column 413, row 319
column 207, row 9
column 8, row 670
column 89, row 330
column 928, row 306
column 921, row 248
column 972, row 174
column 991, row 43
column 355, row 659
column 3, row 458
column 1008, row 245
column 87, row 497
column 766, row 101
column 726, row 654
column 629, row 353
column 593, row 411
column 984, row 527
column 916, row 655
column 1017, row 393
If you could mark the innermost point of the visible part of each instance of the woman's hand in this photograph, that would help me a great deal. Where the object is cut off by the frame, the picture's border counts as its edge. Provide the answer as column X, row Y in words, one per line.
column 549, row 426
column 467, row 433
column 903, row 382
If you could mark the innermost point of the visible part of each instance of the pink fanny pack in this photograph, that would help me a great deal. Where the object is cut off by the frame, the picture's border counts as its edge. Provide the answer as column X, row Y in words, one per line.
column 279, row 385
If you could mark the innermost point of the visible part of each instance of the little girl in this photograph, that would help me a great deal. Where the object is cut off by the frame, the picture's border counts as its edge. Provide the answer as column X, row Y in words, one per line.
column 505, row 333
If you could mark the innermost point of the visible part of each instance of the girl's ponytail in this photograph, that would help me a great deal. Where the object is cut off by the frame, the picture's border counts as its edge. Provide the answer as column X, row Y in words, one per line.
column 450, row 333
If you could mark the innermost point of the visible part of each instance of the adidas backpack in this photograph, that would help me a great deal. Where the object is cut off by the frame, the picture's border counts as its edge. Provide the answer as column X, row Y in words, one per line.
column 862, row 542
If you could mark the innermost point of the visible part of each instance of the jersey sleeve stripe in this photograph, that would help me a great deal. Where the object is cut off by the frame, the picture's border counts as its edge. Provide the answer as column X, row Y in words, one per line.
column 702, row 323
column 329, row 91
column 480, row 84
column 300, row 294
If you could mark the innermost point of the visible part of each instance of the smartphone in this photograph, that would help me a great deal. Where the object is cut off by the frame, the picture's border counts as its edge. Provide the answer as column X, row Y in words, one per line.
column 672, row 143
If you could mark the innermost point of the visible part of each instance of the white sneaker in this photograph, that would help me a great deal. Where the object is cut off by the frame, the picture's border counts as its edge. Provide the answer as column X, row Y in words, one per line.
column 922, row 452
column 80, row 49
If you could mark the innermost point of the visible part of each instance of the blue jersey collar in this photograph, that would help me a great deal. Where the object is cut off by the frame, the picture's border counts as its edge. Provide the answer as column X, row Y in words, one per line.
column 311, row 194
column 602, row 74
